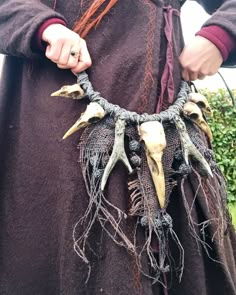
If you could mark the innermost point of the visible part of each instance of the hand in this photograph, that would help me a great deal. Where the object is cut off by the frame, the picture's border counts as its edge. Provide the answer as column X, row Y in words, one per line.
column 66, row 48
column 200, row 58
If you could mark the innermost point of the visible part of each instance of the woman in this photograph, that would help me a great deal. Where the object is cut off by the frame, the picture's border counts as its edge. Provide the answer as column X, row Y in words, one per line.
column 135, row 48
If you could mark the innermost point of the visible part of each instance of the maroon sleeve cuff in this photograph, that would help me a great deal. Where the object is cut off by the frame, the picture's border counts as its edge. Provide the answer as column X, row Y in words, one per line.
column 38, row 42
column 220, row 38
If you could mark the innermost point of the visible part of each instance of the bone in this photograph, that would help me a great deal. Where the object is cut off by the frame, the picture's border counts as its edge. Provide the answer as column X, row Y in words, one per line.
column 193, row 112
column 153, row 135
column 202, row 102
column 118, row 152
column 188, row 148
column 72, row 91
column 93, row 113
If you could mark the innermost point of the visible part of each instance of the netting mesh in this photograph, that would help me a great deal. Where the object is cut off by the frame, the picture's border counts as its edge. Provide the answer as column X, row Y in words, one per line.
column 95, row 147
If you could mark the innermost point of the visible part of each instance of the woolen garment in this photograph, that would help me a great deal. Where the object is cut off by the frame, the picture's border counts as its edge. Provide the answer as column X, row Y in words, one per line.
column 42, row 193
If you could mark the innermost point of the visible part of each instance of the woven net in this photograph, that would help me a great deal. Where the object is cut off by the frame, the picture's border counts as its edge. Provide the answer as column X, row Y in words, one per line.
column 96, row 146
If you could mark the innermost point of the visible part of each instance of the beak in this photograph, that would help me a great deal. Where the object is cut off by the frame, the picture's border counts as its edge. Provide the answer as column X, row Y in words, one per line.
column 57, row 93
column 209, row 112
column 158, row 178
column 205, row 127
column 76, row 127
column 71, row 91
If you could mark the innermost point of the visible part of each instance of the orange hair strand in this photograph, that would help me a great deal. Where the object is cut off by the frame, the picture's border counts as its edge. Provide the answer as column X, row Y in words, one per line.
column 86, row 23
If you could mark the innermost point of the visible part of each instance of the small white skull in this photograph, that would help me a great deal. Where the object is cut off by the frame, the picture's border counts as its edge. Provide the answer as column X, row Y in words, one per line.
column 193, row 112
column 153, row 135
column 93, row 113
column 72, row 91
column 202, row 102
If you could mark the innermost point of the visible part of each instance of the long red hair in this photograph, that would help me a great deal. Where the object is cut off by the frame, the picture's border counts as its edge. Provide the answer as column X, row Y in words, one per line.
column 87, row 22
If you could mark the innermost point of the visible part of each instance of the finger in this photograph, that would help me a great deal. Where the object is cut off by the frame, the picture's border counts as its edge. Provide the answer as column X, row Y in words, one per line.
column 185, row 75
column 72, row 62
column 84, row 59
column 74, row 57
column 193, row 76
column 65, row 54
column 201, row 77
column 53, row 51
column 63, row 66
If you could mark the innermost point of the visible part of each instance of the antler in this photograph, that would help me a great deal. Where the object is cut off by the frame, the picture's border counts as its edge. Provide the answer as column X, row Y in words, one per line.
column 118, row 152
column 188, row 147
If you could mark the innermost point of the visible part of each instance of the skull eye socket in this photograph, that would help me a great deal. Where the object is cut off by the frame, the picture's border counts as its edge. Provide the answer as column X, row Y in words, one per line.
column 194, row 116
column 201, row 104
column 93, row 120
column 76, row 93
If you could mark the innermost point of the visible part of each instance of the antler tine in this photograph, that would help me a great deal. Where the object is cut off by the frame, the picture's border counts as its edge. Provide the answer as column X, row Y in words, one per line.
column 118, row 152
column 188, row 147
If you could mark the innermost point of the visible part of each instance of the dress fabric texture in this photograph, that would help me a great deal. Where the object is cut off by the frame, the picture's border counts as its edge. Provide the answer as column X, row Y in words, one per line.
column 42, row 193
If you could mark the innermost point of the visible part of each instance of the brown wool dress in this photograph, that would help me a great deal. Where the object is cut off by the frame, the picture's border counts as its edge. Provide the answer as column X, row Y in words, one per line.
column 42, row 193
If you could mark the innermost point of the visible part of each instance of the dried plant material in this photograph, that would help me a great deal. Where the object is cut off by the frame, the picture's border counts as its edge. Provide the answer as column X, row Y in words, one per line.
column 153, row 135
column 193, row 112
column 118, row 152
column 93, row 113
column 202, row 102
column 72, row 91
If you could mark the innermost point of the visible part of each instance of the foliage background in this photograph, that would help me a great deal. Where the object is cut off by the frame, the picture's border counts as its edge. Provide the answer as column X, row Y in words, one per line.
column 223, row 126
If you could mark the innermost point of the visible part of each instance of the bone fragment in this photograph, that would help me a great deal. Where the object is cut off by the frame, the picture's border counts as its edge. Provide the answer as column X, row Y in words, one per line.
column 118, row 152
column 93, row 113
column 193, row 112
column 72, row 91
column 153, row 135
column 202, row 102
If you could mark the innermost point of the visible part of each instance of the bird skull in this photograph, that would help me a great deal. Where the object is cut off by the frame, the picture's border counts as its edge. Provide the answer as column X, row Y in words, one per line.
column 93, row 113
column 202, row 102
column 71, row 91
column 153, row 135
column 193, row 112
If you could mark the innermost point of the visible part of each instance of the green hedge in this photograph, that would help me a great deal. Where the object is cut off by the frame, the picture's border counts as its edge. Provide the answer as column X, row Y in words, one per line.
column 223, row 126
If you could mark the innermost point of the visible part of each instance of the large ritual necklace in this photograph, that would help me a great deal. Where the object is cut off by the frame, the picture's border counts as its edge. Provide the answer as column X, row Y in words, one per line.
column 100, row 155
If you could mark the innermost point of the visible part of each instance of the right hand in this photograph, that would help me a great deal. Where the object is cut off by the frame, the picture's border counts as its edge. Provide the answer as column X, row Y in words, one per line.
column 199, row 59
column 62, row 42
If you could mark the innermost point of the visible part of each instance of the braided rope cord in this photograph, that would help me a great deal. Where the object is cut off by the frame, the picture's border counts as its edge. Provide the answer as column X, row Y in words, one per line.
column 133, row 117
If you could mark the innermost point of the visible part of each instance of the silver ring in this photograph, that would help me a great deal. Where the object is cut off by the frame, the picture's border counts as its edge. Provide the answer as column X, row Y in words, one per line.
column 74, row 53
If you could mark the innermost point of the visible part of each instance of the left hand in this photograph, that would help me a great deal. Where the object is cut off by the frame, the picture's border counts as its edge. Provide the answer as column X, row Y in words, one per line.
column 199, row 59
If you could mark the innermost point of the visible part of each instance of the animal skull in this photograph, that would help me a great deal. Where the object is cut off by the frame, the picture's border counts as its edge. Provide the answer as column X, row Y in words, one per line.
column 153, row 135
column 193, row 112
column 93, row 113
column 71, row 91
column 202, row 102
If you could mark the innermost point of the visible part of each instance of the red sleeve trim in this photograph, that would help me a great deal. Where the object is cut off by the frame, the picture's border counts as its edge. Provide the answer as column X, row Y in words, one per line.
column 220, row 38
column 38, row 42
